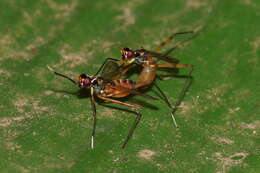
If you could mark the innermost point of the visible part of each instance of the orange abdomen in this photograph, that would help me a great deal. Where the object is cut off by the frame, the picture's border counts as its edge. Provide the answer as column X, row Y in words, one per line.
column 115, row 91
column 147, row 74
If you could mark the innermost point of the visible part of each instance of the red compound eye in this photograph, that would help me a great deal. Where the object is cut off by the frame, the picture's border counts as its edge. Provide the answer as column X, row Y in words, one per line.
column 84, row 80
column 129, row 54
column 87, row 82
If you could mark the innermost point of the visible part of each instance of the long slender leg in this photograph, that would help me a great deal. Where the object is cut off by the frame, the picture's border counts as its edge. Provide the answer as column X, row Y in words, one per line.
column 135, row 106
column 167, row 102
column 132, row 129
column 173, row 65
column 169, row 39
column 179, row 44
column 183, row 92
column 137, row 119
column 93, row 106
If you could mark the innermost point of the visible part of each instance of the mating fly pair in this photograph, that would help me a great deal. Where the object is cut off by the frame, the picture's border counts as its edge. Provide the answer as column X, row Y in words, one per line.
column 107, row 85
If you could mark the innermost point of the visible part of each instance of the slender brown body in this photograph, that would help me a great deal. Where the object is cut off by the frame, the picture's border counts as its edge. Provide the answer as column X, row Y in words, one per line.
column 148, row 72
column 145, row 59
column 107, row 90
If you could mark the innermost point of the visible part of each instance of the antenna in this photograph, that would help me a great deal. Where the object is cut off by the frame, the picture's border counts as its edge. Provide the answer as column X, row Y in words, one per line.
column 62, row 75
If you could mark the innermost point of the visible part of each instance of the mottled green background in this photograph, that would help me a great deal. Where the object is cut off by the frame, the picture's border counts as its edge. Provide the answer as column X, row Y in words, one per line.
column 45, row 125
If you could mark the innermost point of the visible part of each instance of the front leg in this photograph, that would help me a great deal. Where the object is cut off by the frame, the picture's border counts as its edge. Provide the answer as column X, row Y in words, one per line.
column 93, row 106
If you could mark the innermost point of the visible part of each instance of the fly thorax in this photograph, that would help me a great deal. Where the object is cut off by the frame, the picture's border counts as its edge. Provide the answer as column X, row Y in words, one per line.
column 140, row 60
column 98, row 89
column 97, row 85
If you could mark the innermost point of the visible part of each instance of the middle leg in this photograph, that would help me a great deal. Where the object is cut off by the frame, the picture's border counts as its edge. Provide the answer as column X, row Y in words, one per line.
column 136, row 121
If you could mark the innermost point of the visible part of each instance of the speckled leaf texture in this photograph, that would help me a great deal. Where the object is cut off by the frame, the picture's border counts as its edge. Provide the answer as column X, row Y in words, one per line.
column 46, row 122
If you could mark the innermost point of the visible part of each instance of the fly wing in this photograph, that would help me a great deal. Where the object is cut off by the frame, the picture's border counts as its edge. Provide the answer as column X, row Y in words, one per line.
column 110, row 70
column 162, row 57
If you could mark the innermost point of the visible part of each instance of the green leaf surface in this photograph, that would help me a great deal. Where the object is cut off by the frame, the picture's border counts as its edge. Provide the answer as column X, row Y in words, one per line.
column 46, row 122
